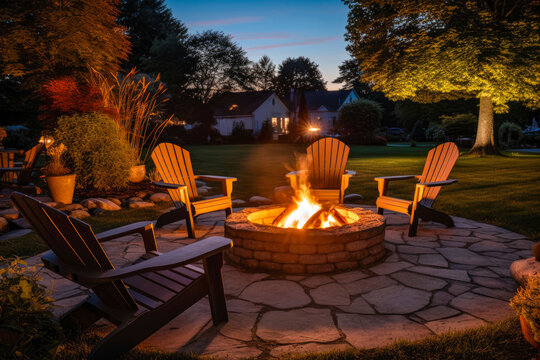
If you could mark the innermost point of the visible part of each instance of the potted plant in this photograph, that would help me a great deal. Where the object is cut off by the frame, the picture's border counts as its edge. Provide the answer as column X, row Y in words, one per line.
column 526, row 304
column 60, row 179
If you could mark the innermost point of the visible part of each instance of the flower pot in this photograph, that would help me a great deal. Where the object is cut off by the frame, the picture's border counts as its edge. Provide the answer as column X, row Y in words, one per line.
column 137, row 174
column 527, row 333
column 61, row 188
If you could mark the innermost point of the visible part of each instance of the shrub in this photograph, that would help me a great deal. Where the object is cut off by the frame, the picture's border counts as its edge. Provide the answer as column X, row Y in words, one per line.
column 435, row 133
column 526, row 303
column 100, row 156
column 358, row 120
column 240, row 134
column 27, row 327
column 510, row 134
column 267, row 133
column 460, row 125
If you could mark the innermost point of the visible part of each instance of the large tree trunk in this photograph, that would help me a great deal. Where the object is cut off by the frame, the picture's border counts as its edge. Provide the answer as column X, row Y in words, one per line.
column 485, row 141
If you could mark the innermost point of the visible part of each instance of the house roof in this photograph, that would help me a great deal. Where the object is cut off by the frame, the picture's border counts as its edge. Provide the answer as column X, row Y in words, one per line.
column 331, row 100
column 240, row 103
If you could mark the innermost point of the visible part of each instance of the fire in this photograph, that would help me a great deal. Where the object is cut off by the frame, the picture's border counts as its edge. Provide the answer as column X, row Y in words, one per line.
column 306, row 212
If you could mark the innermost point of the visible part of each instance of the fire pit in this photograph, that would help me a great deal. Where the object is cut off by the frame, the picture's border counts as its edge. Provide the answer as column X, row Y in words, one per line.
column 323, row 239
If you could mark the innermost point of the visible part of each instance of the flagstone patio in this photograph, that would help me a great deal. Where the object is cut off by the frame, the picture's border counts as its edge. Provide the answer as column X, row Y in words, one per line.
column 441, row 280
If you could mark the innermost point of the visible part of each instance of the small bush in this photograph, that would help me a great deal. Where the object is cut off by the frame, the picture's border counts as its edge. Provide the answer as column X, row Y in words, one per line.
column 240, row 134
column 510, row 134
column 357, row 121
column 435, row 133
column 27, row 327
column 100, row 156
column 526, row 303
column 460, row 125
column 267, row 133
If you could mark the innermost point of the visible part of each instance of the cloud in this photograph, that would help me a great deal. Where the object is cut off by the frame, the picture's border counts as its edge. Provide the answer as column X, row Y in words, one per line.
column 226, row 21
column 261, row 36
column 297, row 43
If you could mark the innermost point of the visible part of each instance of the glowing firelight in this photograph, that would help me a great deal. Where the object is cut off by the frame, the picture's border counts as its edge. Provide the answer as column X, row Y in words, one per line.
column 314, row 129
column 306, row 207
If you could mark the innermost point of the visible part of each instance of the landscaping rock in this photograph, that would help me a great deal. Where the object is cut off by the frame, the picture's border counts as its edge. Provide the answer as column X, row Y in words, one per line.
column 352, row 198
column 71, row 207
column 10, row 214
column 22, row 223
column 260, row 200
column 141, row 194
column 521, row 270
column 238, row 203
column 116, row 201
column 160, row 197
column 283, row 194
column 4, row 225
column 96, row 211
column 134, row 199
column 141, row 204
column 79, row 214
column 100, row 203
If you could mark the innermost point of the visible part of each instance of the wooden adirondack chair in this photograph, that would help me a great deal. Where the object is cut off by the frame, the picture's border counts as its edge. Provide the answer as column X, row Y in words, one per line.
column 18, row 174
column 326, row 160
column 439, row 163
column 140, row 298
column 174, row 167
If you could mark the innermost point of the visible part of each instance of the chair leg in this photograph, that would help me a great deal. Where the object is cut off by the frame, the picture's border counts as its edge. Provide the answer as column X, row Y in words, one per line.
column 413, row 225
column 80, row 317
column 430, row 214
column 190, row 225
column 380, row 211
column 216, row 293
column 228, row 211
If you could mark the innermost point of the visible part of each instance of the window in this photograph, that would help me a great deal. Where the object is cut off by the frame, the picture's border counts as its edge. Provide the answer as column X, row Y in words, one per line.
column 286, row 125
column 273, row 101
column 233, row 107
column 274, row 122
column 318, row 118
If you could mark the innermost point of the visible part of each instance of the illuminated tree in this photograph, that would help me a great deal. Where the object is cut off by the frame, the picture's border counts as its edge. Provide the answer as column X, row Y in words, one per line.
column 429, row 50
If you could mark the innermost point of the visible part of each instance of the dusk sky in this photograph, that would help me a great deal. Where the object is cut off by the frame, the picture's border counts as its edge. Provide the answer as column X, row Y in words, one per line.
column 279, row 29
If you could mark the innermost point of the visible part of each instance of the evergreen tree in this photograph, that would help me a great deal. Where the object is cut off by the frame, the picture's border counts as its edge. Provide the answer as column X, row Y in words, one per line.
column 431, row 50
column 264, row 74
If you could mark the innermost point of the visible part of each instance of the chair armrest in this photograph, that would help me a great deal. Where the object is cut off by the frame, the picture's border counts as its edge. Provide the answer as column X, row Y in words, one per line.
column 145, row 228
column 14, row 151
column 16, row 169
column 349, row 173
column 297, row 173
column 397, row 177
column 438, row 183
column 182, row 256
column 166, row 185
column 215, row 178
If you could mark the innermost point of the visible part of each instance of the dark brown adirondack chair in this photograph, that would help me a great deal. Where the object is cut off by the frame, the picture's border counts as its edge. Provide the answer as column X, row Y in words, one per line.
column 18, row 174
column 439, row 163
column 326, row 173
column 174, row 167
column 140, row 298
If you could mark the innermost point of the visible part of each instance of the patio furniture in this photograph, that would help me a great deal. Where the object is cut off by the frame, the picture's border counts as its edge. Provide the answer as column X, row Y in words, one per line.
column 18, row 174
column 140, row 298
column 439, row 163
column 174, row 167
column 326, row 173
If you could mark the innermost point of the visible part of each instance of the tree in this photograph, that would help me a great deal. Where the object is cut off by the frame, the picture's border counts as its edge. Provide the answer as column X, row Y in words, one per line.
column 49, row 39
column 220, row 65
column 430, row 50
column 358, row 120
column 299, row 74
column 264, row 74
column 350, row 74
column 148, row 22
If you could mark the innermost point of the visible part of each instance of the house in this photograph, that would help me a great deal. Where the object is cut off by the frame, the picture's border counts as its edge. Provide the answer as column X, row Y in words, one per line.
column 252, row 108
column 323, row 107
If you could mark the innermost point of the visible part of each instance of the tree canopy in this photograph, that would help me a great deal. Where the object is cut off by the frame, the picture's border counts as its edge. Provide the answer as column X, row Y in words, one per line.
column 428, row 50
column 300, row 74
column 264, row 74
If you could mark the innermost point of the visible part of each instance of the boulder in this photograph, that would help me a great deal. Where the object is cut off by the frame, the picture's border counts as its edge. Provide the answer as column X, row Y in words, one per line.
column 238, row 203
column 141, row 194
column 134, row 199
column 79, row 214
column 522, row 269
column 116, row 201
column 72, row 207
column 52, row 204
column 10, row 214
column 100, row 203
column 160, row 197
column 283, row 194
column 352, row 198
column 260, row 200
column 96, row 211
column 4, row 225
column 140, row 204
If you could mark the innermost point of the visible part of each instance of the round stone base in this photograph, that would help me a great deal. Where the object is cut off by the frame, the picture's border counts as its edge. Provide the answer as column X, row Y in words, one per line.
column 259, row 245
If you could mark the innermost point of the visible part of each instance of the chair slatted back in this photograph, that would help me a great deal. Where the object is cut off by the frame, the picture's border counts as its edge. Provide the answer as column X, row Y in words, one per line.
column 439, row 164
column 174, row 166
column 326, row 161
column 30, row 158
column 6, row 161
column 75, row 244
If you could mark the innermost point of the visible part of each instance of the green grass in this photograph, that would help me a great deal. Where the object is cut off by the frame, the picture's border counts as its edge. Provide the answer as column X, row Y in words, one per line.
column 502, row 340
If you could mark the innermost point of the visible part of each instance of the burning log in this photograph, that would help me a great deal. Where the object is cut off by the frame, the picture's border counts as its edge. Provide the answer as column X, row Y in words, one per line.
column 339, row 218
column 313, row 218
column 284, row 214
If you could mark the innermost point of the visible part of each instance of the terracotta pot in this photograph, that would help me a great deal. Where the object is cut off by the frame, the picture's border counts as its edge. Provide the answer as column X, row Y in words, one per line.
column 137, row 173
column 61, row 188
column 527, row 333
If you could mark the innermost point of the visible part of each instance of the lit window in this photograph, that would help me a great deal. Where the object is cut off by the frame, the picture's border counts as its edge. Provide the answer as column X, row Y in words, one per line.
column 274, row 122
column 286, row 125
column 318, row 118
column 233, row 107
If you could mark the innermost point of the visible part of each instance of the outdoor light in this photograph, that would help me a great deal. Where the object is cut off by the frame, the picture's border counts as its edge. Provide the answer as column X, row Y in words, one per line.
column 314, row 129
column 46, row 139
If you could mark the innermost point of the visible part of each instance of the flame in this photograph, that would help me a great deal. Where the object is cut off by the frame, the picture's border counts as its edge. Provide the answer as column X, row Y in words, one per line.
column 306, row 207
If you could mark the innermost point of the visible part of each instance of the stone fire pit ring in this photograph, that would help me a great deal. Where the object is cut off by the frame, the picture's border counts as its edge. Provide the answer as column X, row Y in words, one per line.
column 259, row 245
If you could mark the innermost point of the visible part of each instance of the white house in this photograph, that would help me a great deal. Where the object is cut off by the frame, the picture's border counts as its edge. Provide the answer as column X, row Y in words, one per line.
column 323, row 107
column 252, row 108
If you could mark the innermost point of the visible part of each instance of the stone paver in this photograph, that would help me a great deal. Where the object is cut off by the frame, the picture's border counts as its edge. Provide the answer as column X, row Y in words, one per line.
column 441, row 280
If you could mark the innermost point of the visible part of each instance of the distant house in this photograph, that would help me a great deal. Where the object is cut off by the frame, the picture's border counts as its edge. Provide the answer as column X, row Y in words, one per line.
column 323, row 107
column 252, row 108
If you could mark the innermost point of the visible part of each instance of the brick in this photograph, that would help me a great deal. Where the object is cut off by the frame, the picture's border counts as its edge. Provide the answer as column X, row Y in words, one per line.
column 302, row 249
column 253, row 244
column 312, row 259
column 376, row 249
column 317, row 269
column 294, row 268
column 285, row 258
column 268, row 265
column 330, row 248
column 359, row 255
column 262, row 255
column 243, row 253
column 339, row 256
column 375, row 240
column 346, row 265
column 250, row 263
column 356, row 245
column 232, row 257
column 368, row 261
column 276, row 247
